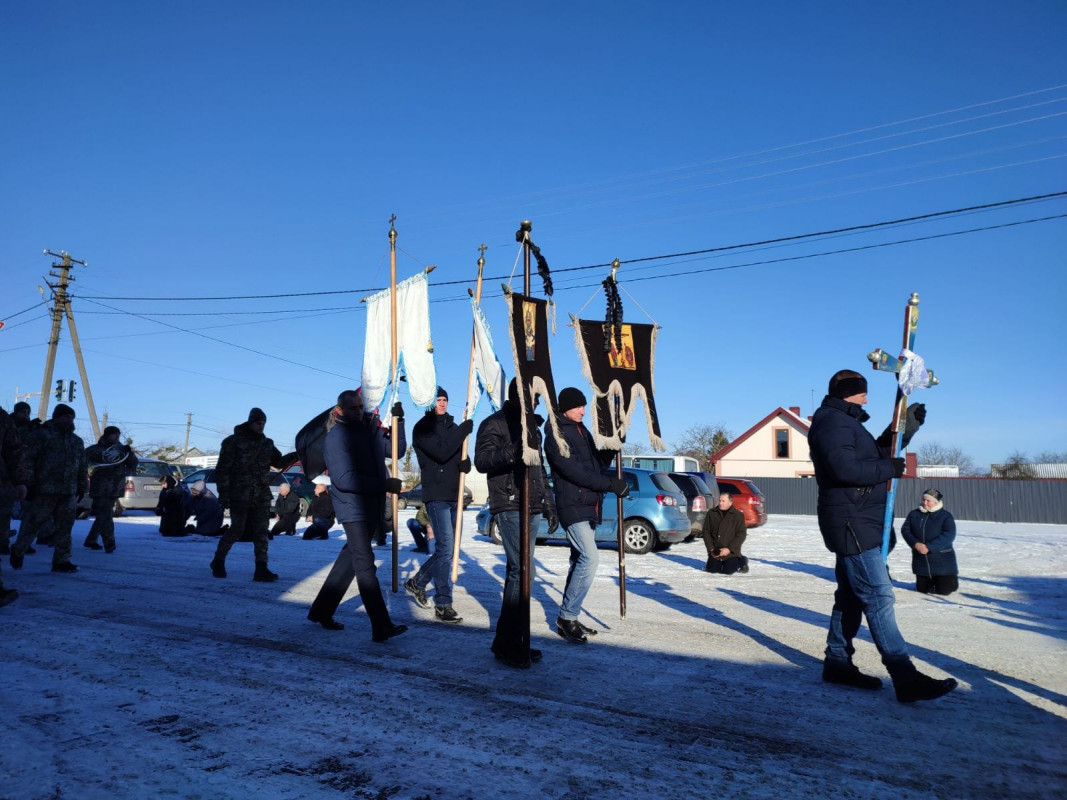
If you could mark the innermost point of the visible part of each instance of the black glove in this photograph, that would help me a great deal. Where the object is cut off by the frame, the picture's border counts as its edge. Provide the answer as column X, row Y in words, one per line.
column 393, row 485
column 898, row 467
column 915, row 418
column 398, row 411
column 465, row 466
column 619, row 487
column 467, row 426
column 549, row 513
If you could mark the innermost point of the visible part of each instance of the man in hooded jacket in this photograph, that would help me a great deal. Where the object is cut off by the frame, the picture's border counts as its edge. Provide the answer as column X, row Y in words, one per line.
column 113, row 462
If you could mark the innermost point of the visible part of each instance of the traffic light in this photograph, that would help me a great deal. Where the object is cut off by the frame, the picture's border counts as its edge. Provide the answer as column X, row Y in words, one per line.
column 70, row 391
column 59, row 390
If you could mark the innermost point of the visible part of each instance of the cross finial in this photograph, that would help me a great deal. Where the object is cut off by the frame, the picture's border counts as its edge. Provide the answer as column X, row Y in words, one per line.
column 392, row 219
column 483, row 248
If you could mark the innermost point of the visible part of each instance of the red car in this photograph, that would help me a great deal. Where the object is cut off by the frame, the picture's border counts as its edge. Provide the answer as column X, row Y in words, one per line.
column 747, row 498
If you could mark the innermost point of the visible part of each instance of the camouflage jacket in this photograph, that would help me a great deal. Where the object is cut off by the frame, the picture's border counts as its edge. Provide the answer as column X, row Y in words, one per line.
column 243, row 472
column 13, row 470
column 109, row 480
column 56, row 460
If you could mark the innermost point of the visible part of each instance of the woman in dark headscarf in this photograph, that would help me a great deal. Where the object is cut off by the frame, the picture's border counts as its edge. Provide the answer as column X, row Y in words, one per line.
column 930, row 530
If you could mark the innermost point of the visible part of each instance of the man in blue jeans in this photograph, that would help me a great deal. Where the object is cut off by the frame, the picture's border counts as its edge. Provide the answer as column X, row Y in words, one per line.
column 852, row 470
column 438, row 443
column 579, row 484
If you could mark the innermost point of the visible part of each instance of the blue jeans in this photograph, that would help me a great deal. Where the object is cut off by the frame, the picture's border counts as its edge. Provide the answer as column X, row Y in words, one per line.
column 509, row 626
column 438, row 567
column 864, row 588
column 584, row 558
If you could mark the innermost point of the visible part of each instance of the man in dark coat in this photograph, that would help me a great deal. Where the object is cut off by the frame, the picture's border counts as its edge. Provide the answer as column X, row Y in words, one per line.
column 438, row 443
column 13, row 479
column 287, row 507
column 724, row 532
column 852, row 470
column 21, row 425
column 110, row 463
column 320, row 510
column 579, row 484
column 242, row 476
column 498, row 453
column 55, row 456
column 354, row 453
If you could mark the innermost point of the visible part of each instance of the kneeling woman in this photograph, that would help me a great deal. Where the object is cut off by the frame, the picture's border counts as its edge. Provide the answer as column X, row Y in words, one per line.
column 930, row 530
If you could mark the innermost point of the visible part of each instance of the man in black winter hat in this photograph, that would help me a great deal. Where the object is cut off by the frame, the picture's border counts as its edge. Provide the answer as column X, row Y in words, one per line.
column 579, row 483
column 852, row 470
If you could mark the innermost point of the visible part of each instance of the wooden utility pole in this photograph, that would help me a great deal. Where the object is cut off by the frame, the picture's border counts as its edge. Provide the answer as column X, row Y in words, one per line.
column 188, row 425
column 60, row 309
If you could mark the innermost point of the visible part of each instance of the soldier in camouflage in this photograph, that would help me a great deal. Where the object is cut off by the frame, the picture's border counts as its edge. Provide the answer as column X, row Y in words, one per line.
column 55, row 456
column 13, row 479
column 111, row 463
column 20, row 420
column 242, row 476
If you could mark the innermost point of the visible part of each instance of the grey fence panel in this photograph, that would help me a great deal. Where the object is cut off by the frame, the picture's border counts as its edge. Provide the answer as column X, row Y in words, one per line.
column 984, row 499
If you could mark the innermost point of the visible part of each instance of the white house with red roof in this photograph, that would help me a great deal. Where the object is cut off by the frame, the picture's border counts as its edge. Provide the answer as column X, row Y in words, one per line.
column 775, row 447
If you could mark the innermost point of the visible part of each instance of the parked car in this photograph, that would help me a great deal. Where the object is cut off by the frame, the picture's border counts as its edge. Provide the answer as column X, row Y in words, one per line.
column 413, row 497
column 747, row 498
column 297, row 481
column 654, row 515
column 699, row 498
column 144, row 486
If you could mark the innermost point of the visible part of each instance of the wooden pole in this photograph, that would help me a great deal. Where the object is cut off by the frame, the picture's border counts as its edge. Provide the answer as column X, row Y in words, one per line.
column 525, row 573
column 466, row 410
column 395, row 426
column 618, row 500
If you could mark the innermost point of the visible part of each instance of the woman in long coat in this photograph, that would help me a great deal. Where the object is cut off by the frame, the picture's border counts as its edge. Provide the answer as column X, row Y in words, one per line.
column 930, row 530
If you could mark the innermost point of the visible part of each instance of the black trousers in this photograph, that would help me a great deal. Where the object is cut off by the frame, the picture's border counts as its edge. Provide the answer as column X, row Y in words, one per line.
column 286, row 524
column 356, row 560
column 938, row 584
column 725, row 566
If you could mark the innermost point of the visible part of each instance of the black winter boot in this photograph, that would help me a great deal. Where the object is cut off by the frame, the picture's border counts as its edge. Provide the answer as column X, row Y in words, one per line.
column 218, row 567
column 264, row 575
column 848, row 674
column 570, row 630
column 922, row 687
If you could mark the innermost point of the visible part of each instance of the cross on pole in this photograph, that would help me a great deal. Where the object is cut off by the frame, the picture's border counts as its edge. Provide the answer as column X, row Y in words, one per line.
column 883, row 362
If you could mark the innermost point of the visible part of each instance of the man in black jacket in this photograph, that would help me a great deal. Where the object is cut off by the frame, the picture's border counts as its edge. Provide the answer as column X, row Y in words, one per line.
column 498, row 453
column 287, row 507
column 579, row 484
column 724, row 533
column 438, row 443
column 852, row 469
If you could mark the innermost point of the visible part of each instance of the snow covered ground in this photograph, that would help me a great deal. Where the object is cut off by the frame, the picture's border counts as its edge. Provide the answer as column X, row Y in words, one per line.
column 142, row 677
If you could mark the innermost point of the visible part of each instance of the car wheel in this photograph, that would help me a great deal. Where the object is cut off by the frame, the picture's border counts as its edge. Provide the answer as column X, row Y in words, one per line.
column 637, row 536
column 494, row 533
column 402, row 503
column 303, row 508
column 119, row 510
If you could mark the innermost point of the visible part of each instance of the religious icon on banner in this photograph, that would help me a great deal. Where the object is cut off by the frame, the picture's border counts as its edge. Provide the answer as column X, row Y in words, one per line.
column 623, row 359
column 529, row 314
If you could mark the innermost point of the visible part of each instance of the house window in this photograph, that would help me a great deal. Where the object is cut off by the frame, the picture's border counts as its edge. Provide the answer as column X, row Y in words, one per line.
column 781, row 442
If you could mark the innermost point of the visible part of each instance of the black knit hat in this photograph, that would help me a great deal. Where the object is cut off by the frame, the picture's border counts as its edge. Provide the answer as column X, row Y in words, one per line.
column 570, row 398
column 257, row 415
column 441, row 392
column 846, row 387
column 62, row 409
column 111, row 429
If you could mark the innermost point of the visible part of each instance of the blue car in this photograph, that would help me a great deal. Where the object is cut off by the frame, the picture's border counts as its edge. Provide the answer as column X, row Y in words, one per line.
column 654, row 514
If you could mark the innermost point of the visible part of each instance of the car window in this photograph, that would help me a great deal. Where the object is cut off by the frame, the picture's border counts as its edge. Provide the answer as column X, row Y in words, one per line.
column 686, row 484
column 701, row 484
column 153, row 469
column 631, row 481
column 663, row 482
column 753, row 488
column 728, row 488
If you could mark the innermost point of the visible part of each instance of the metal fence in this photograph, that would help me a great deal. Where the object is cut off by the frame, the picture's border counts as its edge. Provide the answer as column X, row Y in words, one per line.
column 985, row 499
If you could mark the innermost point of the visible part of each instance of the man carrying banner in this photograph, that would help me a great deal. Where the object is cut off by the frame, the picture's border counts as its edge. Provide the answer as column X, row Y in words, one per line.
column 498, row 453
column 438, row 440
column 579, row 484
column 354, row 453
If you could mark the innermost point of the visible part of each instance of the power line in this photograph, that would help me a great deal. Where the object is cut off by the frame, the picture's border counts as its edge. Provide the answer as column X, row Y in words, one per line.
column 723, row 248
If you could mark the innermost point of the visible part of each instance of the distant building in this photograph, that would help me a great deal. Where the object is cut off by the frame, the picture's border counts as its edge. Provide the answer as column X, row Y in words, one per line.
column 937, row 471
column 775, row 447
column 1025, row 471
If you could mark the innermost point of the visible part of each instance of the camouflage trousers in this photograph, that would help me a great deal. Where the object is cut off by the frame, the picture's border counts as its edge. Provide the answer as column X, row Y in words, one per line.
column 53, row 515
column 103, row 522
column 257, row 520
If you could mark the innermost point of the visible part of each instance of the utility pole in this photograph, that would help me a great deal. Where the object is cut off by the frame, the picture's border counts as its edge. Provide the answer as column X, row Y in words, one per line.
column 61, row 308
column 188, row 425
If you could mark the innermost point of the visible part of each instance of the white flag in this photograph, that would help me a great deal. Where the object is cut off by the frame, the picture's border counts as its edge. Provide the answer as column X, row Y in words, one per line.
column 488, row 375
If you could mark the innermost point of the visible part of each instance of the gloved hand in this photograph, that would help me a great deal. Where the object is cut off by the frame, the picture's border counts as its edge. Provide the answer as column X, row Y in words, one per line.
column 393, row 485
column 915, row 418
column 398, row 411
column 898, row 467
column 467, row 426
column 465, row 465
column 620, row 487
column 549, row 513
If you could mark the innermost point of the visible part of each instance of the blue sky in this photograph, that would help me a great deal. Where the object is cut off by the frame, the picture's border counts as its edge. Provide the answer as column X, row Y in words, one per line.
column 216, row 149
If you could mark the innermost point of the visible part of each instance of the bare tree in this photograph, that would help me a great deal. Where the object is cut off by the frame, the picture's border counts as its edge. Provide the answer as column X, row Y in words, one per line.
column 1017, row 468
column 1050, row 457
column 162, row 450
column 937, row 454
column 702, row 442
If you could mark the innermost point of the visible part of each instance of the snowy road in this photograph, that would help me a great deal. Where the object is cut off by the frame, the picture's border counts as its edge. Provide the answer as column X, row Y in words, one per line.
column 143, row 676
